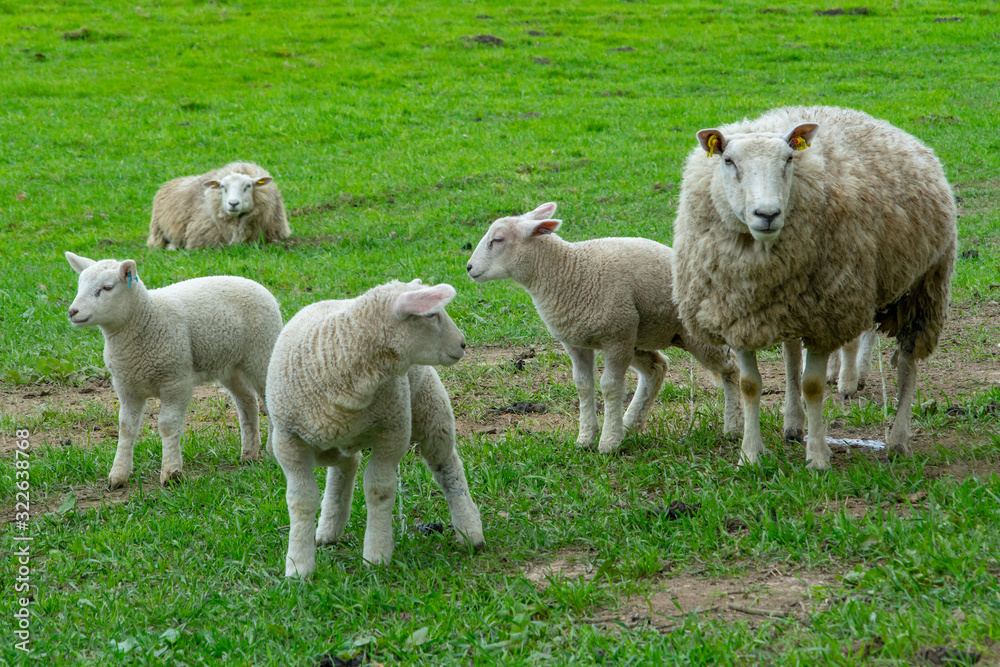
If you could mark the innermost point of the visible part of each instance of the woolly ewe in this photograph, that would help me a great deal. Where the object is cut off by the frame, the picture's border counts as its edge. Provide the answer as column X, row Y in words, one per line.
column 164, row 342
column 812, row 224
column 234, row 204
column 354, row 374
column 609, row 294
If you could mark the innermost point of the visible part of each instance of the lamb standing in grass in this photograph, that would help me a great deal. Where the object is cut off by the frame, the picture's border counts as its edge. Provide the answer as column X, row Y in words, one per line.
column 811, row 224
column 234, row 204
column 609, row 294
column 164, row 342
column 354, row 374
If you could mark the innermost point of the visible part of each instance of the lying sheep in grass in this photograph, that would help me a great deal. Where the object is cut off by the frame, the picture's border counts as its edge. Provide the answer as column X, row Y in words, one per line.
column 164, row 342
column 812, row 224
column 234, row 204
column 355, row 374
column 609, row 294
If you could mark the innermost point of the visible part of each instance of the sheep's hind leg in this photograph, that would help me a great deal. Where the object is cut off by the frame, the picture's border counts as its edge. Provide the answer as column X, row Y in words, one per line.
column 652, row 369
column 616, row 363
column 173, row 408
column 848, row 380
column 793, row 416
column 750, row 387
column 813, row 384
column 583, row 378
column 302, row 497
column 906, row 378
column 718, row 360
column 336, row 509
column 129, row 422
column 380, row 495
column 245, row 398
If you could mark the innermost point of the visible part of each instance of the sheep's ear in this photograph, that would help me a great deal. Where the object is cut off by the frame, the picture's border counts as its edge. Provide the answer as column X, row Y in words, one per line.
column 531, row 228
column 712, row 141
column 78, row 263
column 543, row 212
column 212, row 184
column 263, row 181
column 801, row 137
column 127, row 272
column 423, row 301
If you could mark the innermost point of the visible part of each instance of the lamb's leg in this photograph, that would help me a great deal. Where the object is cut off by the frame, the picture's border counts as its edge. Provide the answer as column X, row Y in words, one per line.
column 652, row 369
column 750, row 387
column 719, row 360
column 813, row 384
column 173, row 408
column 793, row 415
column 380, row 495
column 906, row 378
column 583, row 378
column 129, row 423
column 848, row 379
column 336, row 510
column 616, row 363
column 248, row 409
column 297, row 461
column 868, row 340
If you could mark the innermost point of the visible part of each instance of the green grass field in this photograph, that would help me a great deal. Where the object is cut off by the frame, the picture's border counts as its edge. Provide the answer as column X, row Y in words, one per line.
column 396, row 137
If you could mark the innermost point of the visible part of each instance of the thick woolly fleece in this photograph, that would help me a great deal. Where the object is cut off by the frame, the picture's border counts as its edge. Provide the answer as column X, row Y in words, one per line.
column 355, row 374
column 189, row 215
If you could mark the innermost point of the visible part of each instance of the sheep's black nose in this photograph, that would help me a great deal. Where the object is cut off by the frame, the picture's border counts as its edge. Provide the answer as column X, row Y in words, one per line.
column 767, row 216
column 468, row 267
column 463, row 344
column 73, row 312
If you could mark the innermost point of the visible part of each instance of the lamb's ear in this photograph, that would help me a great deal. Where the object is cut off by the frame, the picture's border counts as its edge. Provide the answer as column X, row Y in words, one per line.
column 423, row 301
column 127, row 272
column 211, row 184
column 531, row 228
column 801, row 137
column 78, row 263
column 712, row 141
column 543, row 212
column 263, row 181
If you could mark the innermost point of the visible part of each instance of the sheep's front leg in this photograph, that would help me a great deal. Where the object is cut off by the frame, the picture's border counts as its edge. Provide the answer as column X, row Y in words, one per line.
column 906, row 378
column 793, row 415
column 340, row 476
column 380, row 496
column 813, row 383
column 173, row 408
column 652, row 368
column 129, row 422
column 583, row 378
column 750, row 386
column 616, row 363
column 297, row 461
column 719, row 360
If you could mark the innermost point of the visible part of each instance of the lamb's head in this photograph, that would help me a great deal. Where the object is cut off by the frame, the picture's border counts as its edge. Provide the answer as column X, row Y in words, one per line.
column 425, row 330
column 499, row 253
column 106, row 292
column 756, row 171
column 237, row 192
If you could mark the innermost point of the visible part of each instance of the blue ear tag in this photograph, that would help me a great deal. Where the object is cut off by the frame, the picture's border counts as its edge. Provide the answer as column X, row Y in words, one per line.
column 129, row 281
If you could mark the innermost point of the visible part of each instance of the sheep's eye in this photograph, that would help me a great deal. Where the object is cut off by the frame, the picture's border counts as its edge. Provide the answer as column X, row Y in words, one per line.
column 247, row 187
column 729, row 161
column 790, row 159
column 433, row 316
column 495, row 239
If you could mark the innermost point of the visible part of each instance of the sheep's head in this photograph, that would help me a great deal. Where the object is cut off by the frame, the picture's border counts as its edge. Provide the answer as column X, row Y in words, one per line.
column 496, row 256
column 430, row 335
column 757, row 171
column 105, row 293
column 237, row 192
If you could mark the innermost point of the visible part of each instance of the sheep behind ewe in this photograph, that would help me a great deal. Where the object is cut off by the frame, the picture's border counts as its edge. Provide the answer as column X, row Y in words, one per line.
column 812, row 223
column 164, row 342
column 234, row 204
column 354, row 374
column 610, row 294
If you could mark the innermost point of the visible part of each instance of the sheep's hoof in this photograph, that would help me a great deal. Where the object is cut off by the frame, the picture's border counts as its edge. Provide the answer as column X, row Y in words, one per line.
column 818, row 464
column 326, row 537
column 795, row 435
column 114, row 483
column 899, row 449
column 171, row 478
column 609, row 447
column 586, row 445
column 247, row 457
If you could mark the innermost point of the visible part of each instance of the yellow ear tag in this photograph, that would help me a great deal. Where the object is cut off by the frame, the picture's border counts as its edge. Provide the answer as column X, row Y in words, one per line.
column 713, row 141
column 800, row 144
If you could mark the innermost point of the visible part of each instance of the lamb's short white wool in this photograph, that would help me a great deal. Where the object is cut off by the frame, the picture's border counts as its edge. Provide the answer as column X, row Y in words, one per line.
column 356, row 374
column 165, row 342
column 610, row 294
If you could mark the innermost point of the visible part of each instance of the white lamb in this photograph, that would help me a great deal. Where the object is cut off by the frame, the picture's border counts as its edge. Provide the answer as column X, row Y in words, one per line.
column 610, row 294
column 234, row 204
column 813, row 224
column 164, row 342
column 354, row 374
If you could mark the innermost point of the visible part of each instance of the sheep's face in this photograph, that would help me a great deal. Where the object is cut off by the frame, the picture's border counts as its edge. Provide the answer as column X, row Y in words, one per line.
column 496, row 257
column 105, row 292
column 756, row 172
column 430, row 334
column 237, row 192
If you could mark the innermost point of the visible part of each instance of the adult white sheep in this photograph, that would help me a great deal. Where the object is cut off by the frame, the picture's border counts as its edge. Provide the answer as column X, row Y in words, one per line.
column 354, row 374
column 164, row 342
column 234, row 204
column 812, row 223
column 610, row 294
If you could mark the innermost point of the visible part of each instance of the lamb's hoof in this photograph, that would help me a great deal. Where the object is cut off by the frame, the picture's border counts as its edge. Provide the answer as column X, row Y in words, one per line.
column 818, row 464
column 586, row 445
column 795, row 435
column 861, row 384
column 116, row 483
column 747, row 461
column 304, row 572
column 247, row 457
column 326, row 537
column 171, row 478
column 899, row 450
column 848, row 395
column 609, row 447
